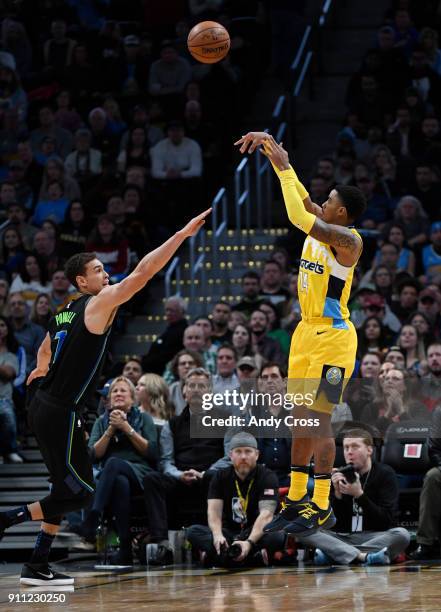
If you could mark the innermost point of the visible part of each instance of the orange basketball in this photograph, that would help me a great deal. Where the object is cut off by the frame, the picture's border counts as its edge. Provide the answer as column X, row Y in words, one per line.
column 208, row 42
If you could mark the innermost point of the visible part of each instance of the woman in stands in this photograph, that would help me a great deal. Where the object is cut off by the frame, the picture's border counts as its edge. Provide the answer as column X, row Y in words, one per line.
column 371, row 336
column 410, row 214
column 42, row 311
column 365, row 387
column 13, row 251
column 32, row 279
column 153, row 396
column 424, row 328
column 241, row 341
column 123, row 442
column 406, row 260
column 10, row 368
column 413, row 349
column 182, row 363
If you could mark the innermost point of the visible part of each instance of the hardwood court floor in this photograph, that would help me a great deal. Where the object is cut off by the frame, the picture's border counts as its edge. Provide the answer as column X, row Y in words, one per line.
column 415, row 588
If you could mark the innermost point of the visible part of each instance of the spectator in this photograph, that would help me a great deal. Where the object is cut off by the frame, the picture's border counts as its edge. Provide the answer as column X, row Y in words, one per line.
column 8, row 195
column 274, row 330
column 55, row 171
column 271, row 285
column 365, row 511
column 133, row 370
column 239, row 521
column 236, row 318
column 372, row 336
column 220, row 316
column 49, row 129
column 11, row 92
column 33, row 171
column 136, row 152
column 406, row 36
column 407, row 299
column 413, row 349
column 61, row 292
column 378, row 204
column 124, row 442
column 410, row 214
column 182, row 363
column 250, row 294
column 74, row 230
column 141, row 118
column 176, row 157
column 432, row 253
column 423, row 326
column 13, row 251
column 396, row 356
column 23, row 191
column 8, row 371
column 16, row 216
column 241, row 341
column 326, row 170
column 392, row 406
column 184, row 461
column 226, row 377
column 193, row 340
column 32, row 279
column 206, row 326
column 261, row 342
column 428, row 534
column 363, row 389
column 66, row 116
column 42, row 311
column 57, row 51
column 28, row 334
column 374, row 305
column 431, row 382
column 84, row 162
column 16, row 41
column 170, row 341
column 170, row 74
column 153, row 397
column 80, row 76
column 427, row 190
column 429, row 304
column 102, row 139
column 112, row 250
column 54, row 208
column 406, row 258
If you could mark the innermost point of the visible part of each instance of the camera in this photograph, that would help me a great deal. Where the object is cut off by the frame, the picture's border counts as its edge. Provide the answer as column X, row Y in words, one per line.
column 349, row 473
column 229, row 554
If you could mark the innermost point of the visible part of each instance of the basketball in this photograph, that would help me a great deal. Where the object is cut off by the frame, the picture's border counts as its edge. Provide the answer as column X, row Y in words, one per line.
column 208, row 42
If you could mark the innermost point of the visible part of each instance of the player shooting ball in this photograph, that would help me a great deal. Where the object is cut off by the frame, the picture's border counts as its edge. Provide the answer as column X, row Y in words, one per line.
column 324, row 344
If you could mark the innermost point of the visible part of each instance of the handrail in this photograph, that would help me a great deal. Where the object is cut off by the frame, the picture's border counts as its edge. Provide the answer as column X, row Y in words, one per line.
column 218, row 229
column 306, row 35
column 302, row 74
column 197, row 265
column 174, row 266
column 325, row 11
column 242, row 195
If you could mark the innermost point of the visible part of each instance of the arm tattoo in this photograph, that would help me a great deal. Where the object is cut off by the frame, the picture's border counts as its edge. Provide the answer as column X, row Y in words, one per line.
column 337, row 236
column 267, row 504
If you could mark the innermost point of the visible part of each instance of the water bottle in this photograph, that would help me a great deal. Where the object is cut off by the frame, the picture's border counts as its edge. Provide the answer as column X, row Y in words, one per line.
column 101, row 543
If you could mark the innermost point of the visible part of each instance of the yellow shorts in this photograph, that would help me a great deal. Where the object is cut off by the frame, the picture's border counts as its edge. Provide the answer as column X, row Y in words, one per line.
column 321, row 361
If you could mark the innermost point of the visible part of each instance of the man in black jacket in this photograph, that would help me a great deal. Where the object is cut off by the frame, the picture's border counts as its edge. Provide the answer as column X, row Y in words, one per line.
column 428, row 534
column 165, row 347
column 365, row 510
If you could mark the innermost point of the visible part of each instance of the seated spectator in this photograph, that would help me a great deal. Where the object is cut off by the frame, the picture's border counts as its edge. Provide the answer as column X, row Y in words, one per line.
column 170, row 74
column 74, row 230
column 62, row 291
column 32, row 279
column 66, row 116
column 365, row 387
column 292, row 310
column 274, row 330
column 153, row 396
column 48, row 129
column 12, row 94
column 4, row 291
column 410, row 215
column 170, row 341
column 182, row 363
column 184, row 461
column 432, row 254
column 109, row 248
column 250, row 294
column 45, row 246
column 136, row 153
column 431, row 382
column 326, row 170
column 115, row 122
column 141, row 118
column 16, row 215
column 261, row 342
column 241, row 341
column 371, row 336
column 57, row 51
column 193, row 340
column 123, row 442
column 42, row 311
column 374, row 305
column 84, row 162
column 32, row 170
column 8, row 371
column 133, row 369
column 23, row 190
column 28, row 334
column 176, row 157
column 206, row 325
column 396, row 356
column 8, row 196
column 429, row 305
column 236, row 318
column 242, row 499
column 220, row 316
column 406, row 258
column 271, row 285
column 54, row 170
column 428, row 534
column 13, row 251
column 103, row 139
column 430, row 43
column 365, row 510
column 407, row 299
column 414, row 351
column 423, row 326
column 54, row 208
column 226, row 377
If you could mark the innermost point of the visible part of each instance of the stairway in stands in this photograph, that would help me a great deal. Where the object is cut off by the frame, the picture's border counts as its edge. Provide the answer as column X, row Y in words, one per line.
column 237, row 254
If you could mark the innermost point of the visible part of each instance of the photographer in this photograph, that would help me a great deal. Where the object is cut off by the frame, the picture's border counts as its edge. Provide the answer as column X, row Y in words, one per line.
column 365, row 499
column 241, row 501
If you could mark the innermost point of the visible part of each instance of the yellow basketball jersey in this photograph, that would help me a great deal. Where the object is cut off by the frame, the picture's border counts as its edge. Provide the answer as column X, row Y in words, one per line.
column 324, row 285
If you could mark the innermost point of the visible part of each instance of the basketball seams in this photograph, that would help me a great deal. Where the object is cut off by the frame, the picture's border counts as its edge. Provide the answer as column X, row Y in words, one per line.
column 218, row 26
column 211, row 43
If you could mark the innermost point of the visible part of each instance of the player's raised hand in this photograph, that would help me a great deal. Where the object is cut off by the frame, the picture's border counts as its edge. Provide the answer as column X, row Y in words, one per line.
column 251, row 141
column 195, row 224
column 275, row 153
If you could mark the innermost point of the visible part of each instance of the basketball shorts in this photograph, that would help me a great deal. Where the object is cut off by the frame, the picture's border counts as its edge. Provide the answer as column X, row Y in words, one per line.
column 321, row 361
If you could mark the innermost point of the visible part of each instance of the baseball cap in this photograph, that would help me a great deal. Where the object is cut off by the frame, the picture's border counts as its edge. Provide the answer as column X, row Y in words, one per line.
column 428, row 293
column 131, row 41
column 248, row 362
column 242, row 439
column 374, row 300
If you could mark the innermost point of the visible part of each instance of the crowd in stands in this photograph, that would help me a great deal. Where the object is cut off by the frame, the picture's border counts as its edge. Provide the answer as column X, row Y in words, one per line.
column 101, row 132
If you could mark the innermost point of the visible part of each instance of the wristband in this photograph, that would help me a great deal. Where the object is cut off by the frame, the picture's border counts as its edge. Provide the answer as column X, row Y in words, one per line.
column 131, row 432
column 106, row 433
column 253, row 546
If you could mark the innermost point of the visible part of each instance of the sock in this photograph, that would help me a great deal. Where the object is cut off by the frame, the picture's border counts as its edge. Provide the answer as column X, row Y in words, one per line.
column 16, row 516
column 322, row 488
column 42, row 547
column 299, row 481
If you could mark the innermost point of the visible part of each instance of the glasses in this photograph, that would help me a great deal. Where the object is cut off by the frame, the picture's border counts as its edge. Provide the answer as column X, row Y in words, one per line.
column 197, row 386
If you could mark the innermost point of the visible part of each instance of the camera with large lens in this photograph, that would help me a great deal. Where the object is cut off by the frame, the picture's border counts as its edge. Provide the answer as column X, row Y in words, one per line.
column 233, row 552
column 349, row 473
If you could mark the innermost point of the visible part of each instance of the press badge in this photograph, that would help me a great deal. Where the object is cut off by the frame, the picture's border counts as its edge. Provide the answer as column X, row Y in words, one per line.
column 357, row 517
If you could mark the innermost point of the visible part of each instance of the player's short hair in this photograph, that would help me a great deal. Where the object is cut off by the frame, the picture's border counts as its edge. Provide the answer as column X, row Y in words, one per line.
column 76, row 266
column 359, row 433
column 352, row 199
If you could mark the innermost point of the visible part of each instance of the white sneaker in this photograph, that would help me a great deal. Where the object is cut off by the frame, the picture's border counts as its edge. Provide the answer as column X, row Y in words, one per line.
column 14, row 458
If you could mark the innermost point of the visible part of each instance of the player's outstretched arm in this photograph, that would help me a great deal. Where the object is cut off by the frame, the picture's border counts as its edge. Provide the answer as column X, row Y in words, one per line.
column 251, row 141
column 347, row 245
column 115, row 295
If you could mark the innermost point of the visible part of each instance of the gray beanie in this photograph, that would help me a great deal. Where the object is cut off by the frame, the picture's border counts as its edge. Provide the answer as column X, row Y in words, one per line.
column 242, row 439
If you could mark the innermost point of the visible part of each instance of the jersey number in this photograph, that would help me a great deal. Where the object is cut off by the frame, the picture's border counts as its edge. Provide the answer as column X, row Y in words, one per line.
column 60, row 337
column 303, row 278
